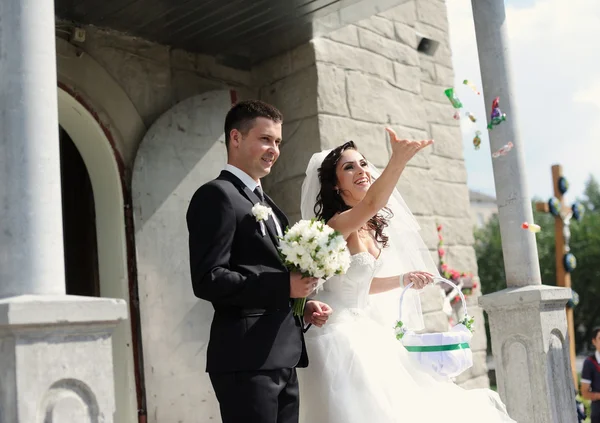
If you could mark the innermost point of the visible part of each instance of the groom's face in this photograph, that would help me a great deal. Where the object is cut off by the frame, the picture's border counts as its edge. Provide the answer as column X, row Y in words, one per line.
column 257, row 149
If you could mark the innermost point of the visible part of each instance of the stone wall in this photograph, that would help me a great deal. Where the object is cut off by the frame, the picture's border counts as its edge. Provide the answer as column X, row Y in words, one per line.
column 154, row 77
column 289, row 82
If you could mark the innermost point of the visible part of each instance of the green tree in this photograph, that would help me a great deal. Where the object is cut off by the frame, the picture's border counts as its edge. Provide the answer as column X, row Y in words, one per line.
column 592, row 195
column 585, row 279
column 490, row 259
column 585, row 245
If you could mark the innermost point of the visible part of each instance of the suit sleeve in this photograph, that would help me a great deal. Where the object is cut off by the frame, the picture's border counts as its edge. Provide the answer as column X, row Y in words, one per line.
column 211, row 224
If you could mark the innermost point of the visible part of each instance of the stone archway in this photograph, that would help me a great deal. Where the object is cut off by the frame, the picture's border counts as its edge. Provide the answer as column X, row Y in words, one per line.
column 182, row 150
column 100, row 161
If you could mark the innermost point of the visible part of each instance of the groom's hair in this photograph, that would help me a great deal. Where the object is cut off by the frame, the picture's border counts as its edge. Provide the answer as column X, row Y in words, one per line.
column 241, row 116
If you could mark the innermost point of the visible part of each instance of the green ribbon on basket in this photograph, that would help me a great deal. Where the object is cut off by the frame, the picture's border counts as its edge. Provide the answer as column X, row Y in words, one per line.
column 437, row 348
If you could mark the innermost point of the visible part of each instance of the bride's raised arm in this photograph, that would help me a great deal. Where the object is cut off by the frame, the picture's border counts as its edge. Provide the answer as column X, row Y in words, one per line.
column 379, row 193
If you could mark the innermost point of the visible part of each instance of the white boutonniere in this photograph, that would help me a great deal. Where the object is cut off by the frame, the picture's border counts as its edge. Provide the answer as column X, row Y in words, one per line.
column 261, row 213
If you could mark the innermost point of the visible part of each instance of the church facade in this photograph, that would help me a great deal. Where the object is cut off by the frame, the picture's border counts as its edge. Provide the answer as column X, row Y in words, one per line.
column 142, row 92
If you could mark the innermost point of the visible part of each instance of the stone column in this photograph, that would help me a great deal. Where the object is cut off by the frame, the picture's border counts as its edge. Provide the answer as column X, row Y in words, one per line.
column 31, row 244
column 527, row 320
column 514, row 203
column 55, row 350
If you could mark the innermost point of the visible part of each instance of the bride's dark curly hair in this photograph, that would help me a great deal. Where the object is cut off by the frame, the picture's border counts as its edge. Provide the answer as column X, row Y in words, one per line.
column 330, row 202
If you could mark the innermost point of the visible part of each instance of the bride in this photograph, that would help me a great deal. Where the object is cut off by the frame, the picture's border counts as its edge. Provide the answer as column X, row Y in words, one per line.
column 358, row 371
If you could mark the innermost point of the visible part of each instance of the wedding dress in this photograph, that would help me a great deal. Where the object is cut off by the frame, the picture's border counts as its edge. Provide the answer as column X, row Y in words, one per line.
column 360, row 373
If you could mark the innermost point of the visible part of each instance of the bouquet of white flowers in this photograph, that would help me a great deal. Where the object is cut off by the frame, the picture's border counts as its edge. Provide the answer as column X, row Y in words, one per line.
column 316, row 250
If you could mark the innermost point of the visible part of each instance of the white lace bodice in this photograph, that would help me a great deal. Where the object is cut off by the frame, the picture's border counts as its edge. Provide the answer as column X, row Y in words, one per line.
column 352, row 289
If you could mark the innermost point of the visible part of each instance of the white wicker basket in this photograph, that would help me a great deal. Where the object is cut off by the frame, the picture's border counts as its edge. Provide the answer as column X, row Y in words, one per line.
column 445, row 353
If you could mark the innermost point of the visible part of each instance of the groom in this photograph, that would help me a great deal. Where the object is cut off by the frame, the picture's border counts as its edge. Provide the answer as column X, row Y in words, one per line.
column 256, row 343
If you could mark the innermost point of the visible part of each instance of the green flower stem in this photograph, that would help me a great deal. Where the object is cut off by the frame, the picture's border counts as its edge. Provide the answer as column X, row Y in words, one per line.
column 298, row 307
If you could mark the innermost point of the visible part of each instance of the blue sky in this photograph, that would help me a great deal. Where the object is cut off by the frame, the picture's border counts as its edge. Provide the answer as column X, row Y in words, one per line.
column 556, row 82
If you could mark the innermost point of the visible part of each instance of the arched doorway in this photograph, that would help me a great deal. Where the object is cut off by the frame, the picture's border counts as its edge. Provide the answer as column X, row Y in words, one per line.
column 98, row 202
column 79, row 222
column 184, row 148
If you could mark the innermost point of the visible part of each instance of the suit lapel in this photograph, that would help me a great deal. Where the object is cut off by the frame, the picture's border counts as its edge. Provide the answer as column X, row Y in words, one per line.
column 269, row 223
column 253, row 198
column 283, row 220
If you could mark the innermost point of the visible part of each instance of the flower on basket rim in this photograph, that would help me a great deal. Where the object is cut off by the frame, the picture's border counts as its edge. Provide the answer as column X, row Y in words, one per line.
column 468, row 322
column 261, row 212
column 400, row 330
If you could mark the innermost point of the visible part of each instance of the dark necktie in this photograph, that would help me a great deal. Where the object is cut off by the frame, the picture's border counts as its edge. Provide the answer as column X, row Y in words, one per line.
column 259, row 193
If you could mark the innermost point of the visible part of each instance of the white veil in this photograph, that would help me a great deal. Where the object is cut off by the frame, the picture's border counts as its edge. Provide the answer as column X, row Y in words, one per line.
column 405, row 251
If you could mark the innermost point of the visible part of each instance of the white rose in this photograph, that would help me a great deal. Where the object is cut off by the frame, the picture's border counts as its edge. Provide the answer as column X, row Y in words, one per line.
column 261, row 212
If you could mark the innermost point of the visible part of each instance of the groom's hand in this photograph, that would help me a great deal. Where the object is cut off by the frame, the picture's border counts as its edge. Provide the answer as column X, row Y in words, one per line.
column 301, row 287
column 317, row 313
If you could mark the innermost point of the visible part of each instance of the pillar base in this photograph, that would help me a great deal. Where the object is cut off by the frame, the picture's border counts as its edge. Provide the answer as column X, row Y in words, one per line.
column 530, row 343
column 56, row 358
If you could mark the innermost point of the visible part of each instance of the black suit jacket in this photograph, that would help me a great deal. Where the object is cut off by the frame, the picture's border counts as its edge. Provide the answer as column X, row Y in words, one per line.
column 240, row 272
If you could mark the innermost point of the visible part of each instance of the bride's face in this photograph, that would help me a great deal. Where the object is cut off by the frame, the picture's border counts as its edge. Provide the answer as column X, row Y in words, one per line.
column 353, row 177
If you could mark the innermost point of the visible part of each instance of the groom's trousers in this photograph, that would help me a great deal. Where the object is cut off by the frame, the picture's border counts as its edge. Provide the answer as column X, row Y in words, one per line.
column 262, row 396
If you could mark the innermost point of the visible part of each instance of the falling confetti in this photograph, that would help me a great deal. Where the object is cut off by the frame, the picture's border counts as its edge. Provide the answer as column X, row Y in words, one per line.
column 453, row 98
column 531, row 227
column 472, row 86
column 477, row 140
column 503, row 151
column 497, row 116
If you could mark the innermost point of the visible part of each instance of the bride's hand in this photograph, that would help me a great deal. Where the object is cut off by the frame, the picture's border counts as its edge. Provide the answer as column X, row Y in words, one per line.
column 316, row 313
column 418, row 279
column 405, row 149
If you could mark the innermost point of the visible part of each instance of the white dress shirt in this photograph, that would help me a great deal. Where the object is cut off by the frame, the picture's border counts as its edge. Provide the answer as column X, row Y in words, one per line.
column 252, row 184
